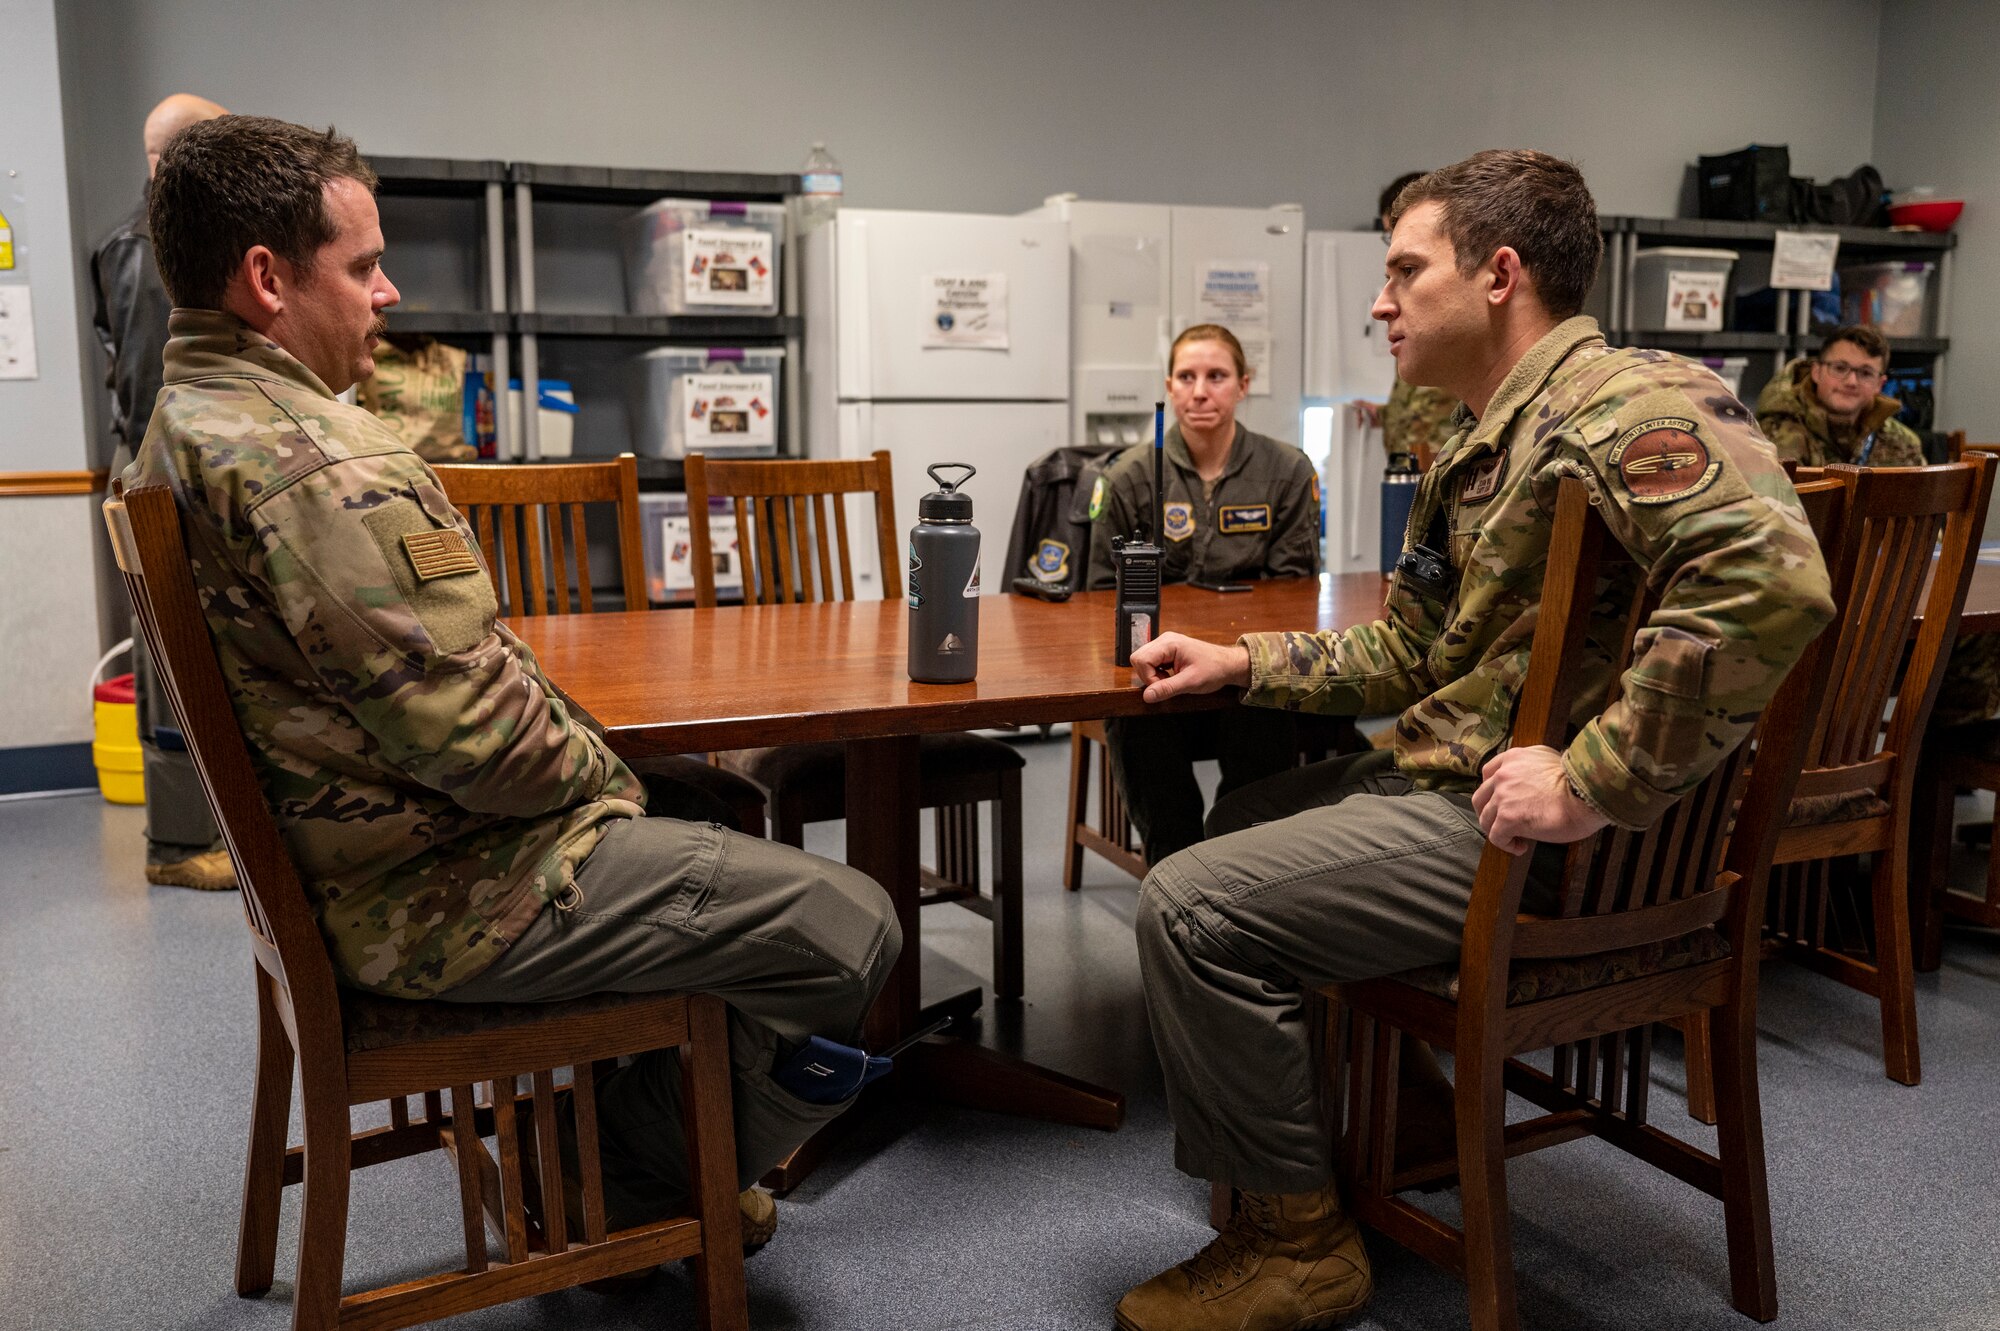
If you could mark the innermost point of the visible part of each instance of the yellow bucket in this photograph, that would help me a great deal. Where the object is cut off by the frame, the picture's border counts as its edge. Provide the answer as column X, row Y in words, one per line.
column 121, row 764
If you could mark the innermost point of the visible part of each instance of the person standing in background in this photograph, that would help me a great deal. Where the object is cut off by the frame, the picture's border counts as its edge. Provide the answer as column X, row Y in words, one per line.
column 183, row 847
column 1416, row 421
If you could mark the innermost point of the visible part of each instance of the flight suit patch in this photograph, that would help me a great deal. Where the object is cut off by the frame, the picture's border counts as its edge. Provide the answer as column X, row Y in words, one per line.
column 1235, row 519
column 1096, row 498
column 1051, row 562
column 1663, row 460
column 1179, row 518
column 1482, row 481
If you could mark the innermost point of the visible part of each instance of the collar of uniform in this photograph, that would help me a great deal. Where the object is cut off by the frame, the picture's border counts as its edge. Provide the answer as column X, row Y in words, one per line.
column 202, row 344
column 1177, row 452
column 1528, row 376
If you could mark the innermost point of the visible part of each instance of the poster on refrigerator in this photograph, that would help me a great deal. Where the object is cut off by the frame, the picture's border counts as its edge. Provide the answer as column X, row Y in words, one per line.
column 1237, row 294
column 727, row 266
column 729, row 411
column 965, row 310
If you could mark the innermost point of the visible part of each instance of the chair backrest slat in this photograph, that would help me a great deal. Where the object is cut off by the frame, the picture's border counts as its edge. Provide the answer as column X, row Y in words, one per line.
column 772, row 497
column 516, row 513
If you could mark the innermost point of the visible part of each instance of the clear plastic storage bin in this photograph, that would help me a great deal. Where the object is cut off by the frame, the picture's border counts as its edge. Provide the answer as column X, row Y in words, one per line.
column 692, row 256
column 1680, row 290
column 1729, row 369
column 1895, row 297
column 669, row 546
column 721, row 400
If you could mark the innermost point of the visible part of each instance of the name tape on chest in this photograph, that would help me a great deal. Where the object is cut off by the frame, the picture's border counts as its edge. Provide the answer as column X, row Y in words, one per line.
column 1179, row 520
column 1663, row 461
column 1235, row 519
column 439, row 554
column 1482, row 481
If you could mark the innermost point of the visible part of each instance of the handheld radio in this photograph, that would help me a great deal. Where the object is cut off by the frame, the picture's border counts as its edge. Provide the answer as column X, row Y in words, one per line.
column 1138, row 560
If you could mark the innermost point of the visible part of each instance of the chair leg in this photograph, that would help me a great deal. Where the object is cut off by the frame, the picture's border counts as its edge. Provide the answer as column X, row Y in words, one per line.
column 1890, row 883
column 264, row 1173
column 1008, row 980
column 1700, row 1068
column 1930, row 846
column 786, row 826
column 1079, row 800
column 721, row 1303
column 1482, row 1154
column 1746, row 1197
column 323, row 1223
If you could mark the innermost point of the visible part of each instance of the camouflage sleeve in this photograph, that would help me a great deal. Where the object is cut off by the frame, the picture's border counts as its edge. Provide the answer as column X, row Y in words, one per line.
column 379, row 584
column 1896, row 445
column 1295, row 542
column 1788, row 435
column 1110, row 515
column 1695, row 495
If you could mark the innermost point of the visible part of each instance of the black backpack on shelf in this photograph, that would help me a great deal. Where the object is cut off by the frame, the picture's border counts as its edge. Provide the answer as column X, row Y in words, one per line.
column 1752, row 184
column 1855, row 199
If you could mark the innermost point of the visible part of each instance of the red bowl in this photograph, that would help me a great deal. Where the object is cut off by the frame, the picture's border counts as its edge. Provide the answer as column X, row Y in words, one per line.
column 1930, row 215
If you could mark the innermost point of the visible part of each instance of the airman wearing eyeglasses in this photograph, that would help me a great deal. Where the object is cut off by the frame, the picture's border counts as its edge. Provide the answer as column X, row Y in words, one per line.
column 1831, row 408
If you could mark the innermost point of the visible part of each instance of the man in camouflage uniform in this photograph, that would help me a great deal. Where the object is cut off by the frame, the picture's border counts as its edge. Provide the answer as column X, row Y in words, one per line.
column 1363, row 866
column 1830, row 409
column 460, row 832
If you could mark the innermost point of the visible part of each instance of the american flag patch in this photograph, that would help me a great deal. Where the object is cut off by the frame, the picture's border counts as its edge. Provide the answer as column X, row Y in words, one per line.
column 439, row 554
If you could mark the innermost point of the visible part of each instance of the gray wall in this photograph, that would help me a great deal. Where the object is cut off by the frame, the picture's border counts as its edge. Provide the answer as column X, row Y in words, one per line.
column 988, row 107
column 1937, row 110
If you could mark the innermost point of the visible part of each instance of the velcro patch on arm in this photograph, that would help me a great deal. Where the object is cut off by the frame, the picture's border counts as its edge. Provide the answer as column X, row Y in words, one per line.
column 1663, row 460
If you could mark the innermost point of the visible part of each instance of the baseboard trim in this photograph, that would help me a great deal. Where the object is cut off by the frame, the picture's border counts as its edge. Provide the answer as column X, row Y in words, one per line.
column 46, row 767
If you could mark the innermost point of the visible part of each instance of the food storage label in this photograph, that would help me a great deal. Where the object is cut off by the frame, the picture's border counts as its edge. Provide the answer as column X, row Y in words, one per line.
column 728, row 267
column 728, row 410
column 1694, row 301
column 677, row 540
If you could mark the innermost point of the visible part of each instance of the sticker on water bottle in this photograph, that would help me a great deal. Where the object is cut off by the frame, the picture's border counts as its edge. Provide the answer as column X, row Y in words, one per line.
column 916, row 592
column 972, row 583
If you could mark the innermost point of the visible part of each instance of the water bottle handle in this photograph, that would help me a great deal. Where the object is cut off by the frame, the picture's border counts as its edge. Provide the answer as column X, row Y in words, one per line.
column 951, row 486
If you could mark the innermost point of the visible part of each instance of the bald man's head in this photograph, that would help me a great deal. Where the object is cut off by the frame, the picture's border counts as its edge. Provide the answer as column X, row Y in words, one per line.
column 172, row 116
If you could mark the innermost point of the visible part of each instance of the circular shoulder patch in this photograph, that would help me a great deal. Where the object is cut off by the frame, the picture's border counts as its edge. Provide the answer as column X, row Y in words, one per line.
column 1663, row 460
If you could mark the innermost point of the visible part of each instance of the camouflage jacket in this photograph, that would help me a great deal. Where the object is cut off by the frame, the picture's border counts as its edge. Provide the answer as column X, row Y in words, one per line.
column 434, row 790
column 1416, row 416
column 1791, row 417
column 1685, row 483
column 1262, row 521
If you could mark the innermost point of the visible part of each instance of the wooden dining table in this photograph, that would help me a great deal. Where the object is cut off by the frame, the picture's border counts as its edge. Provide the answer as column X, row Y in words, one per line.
column 737, row 677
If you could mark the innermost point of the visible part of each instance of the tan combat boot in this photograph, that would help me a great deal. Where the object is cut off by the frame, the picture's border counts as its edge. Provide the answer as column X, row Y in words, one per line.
column 205, row 871
column 1291, row 1262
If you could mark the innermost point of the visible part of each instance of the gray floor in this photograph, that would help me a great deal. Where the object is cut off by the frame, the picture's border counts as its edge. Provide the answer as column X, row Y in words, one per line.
column 126, row 1015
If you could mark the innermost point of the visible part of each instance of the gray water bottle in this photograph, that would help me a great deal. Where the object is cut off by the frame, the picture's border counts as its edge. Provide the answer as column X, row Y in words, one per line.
column 944, row 583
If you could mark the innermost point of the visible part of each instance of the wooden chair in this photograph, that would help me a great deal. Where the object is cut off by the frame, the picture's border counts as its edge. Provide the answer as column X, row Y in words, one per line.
column 1857, row 792
column 1653, row 926
column 518, row 514
column 781, row 524
column 351, row 1048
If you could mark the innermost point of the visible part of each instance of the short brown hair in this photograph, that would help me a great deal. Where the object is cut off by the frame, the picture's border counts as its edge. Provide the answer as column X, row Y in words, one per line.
column 1210, row 333
column 1866, row 336
column 1529, row 201
column 228, row 184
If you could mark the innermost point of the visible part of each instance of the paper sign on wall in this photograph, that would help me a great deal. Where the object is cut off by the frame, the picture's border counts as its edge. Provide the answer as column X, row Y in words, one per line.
column 1694, row 301
column 965, row 310
column 17, row 333
column 727, row 266
column 729, row 411
column 1236, row 293
column 1803, row 260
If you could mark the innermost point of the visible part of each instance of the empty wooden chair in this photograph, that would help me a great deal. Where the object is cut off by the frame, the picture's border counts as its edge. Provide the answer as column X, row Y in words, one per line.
column 1653, row 926
column 791, row 529
column 519, row 514
column 351, row 1048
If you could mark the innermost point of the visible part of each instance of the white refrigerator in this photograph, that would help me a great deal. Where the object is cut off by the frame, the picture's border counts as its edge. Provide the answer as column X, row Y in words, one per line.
column 1143, row 272
column 942, row 337
column 1347, row 361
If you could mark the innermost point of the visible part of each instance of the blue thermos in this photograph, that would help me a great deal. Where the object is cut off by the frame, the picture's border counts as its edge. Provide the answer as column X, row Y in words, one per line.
column 1399, row 489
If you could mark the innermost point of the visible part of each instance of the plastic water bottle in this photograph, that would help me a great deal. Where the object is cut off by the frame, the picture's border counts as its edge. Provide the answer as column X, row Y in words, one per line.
column 944, row 583
column 819, row 188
